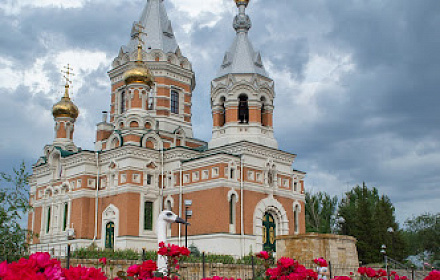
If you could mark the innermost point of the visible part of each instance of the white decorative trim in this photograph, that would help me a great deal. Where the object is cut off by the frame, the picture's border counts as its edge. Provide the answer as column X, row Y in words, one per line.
column 110, row 214
column 296, row 203
column 158, row 143
column 230, row 193
column 277, row 210
column 169, row 199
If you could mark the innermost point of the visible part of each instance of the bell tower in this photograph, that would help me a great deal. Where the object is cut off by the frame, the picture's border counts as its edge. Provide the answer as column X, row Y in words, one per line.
column 164, row 102
column 242, row 94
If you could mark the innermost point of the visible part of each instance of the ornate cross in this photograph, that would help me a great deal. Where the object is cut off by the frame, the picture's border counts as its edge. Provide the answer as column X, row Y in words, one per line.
column 68, row 72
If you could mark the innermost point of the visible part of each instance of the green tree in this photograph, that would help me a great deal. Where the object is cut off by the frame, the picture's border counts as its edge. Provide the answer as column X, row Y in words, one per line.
column 320, row 207
column 14, row 204
column 370, row 218
column 423, row 235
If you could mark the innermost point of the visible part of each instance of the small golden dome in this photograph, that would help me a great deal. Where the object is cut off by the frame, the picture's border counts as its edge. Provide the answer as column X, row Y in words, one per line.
column 246, row 2
column 139, row 74
column 65, row 108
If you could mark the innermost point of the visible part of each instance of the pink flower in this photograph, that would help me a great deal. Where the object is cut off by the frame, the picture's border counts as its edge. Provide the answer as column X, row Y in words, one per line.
column 133, row 270
column 263, row 255
column 83, row 273
column 433, row 275
column 342, row 278
column 103, row 261
column 3, row 269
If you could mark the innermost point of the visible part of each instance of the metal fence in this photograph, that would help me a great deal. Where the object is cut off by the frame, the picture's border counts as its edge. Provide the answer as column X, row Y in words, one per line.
column 194, row 267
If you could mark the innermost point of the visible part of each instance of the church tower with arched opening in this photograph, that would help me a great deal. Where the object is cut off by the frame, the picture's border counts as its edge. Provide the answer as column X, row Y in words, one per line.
column 242, row 94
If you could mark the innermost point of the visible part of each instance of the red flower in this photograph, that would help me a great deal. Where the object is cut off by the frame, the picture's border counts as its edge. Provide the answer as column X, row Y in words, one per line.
column 263, row 255
column 3, row 269
column 133, row 270
column 103, row 261
column 433, row 275
column 342, row 278
column 362, row 270
column 83, row 273
column 184, row 251
column 370, row 272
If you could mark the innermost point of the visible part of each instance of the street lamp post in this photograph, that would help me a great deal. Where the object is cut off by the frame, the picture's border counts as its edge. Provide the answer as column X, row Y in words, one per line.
column 188, row 214
column 390, row 230
column 385, row 259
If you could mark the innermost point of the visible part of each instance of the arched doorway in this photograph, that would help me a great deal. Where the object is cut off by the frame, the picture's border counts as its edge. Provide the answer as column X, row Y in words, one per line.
column 269, row 233
column 110, row 235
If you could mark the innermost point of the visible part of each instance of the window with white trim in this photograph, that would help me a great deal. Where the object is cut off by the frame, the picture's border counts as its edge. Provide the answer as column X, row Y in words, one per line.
column 232, row 211
column 186, row 178
column 149, row 179
column 205, row 174
column 136, row 178
column 215, row 172
column 296, row 218
column 259, row 177
column 174, row 102
column 196, row 176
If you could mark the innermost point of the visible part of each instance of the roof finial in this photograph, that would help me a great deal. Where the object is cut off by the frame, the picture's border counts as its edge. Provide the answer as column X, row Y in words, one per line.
column 242, row 22
column 68, row 72
column 140, row 31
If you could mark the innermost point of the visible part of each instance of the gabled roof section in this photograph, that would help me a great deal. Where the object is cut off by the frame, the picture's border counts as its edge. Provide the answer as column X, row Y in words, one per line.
column 241, row 57
column 154, row 29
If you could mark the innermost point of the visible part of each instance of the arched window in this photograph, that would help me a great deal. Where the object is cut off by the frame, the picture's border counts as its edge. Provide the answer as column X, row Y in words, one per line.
column 123, row 100
column 243, row 109
column 222, row 112
column 148, row 215
column 263, row 100
column 174, row 102
column 232, row 211
column 296, row 218
column 169, row 207
column 66, row 211
column 48, row 219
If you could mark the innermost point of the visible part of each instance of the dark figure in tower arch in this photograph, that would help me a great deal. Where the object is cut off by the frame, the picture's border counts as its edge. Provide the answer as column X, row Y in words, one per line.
column 243, row 109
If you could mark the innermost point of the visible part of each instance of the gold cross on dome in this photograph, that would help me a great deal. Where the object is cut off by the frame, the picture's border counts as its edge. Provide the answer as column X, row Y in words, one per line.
column 68, row 72
column 140, row 29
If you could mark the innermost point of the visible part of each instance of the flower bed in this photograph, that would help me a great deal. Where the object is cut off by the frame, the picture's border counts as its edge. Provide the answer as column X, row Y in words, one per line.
column 41, row 266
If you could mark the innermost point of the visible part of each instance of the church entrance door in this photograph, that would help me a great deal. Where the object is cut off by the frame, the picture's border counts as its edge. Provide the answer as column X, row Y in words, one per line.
column 269, row 233
column 110, row 235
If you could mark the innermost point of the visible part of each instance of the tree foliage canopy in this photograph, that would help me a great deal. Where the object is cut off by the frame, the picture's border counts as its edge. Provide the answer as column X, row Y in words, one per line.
column 14, row 203
column 423, row 235
column 320, row 207
column 369, row 217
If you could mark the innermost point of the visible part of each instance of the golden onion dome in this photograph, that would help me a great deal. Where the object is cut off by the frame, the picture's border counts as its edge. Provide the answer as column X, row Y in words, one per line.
column 140, row 73
column 65, row 108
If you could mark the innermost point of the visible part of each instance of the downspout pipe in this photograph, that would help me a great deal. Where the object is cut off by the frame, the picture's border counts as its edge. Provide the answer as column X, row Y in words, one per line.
column 241, row 206
column 180, row 199
column 162, row 180
column 96, row 197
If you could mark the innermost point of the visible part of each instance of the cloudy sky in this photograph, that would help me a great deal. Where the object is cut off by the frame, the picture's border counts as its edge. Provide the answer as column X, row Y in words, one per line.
column 357, row 82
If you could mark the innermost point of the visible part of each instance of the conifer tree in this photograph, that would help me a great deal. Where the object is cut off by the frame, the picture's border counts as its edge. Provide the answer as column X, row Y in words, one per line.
column 368, row 217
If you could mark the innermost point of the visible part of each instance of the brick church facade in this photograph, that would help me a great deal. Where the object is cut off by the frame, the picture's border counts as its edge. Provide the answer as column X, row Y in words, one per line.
column 243, row 189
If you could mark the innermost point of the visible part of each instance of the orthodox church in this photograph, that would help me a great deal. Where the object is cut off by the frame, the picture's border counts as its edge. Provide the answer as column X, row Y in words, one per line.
column 240, row 188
